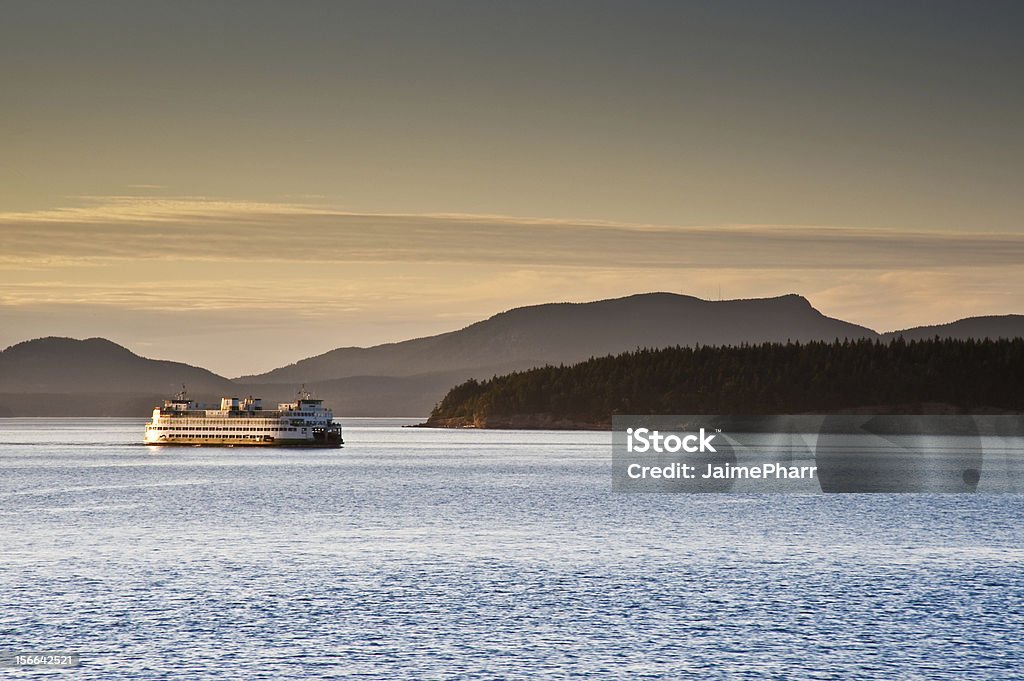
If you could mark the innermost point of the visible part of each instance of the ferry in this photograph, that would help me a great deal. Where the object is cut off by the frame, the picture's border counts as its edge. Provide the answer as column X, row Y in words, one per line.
column 244, row 422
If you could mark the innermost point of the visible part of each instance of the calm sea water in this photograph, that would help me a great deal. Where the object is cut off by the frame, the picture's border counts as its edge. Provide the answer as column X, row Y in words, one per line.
column 415, row 554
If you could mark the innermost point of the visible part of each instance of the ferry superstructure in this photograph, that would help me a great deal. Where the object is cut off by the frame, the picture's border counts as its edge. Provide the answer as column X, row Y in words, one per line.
column 244, row 422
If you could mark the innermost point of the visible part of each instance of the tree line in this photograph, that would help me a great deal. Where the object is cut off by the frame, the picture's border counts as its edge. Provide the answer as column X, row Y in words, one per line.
column 772, row 378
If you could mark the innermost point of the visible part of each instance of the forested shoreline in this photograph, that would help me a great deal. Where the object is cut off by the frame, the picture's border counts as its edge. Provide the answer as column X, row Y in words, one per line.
column 930, row 376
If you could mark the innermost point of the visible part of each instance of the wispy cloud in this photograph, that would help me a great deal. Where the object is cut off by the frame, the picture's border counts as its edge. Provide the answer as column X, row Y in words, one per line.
column 202, row 229
column 198, row 277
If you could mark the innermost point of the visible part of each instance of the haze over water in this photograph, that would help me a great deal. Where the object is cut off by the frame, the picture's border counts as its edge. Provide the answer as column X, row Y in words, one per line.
column 418, row 553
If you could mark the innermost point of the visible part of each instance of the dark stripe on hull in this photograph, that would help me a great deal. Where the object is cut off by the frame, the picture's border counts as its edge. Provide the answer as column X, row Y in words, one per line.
column 251, row 443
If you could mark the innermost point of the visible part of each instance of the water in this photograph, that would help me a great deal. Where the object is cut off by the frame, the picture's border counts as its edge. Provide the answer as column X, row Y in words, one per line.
column 415, row 554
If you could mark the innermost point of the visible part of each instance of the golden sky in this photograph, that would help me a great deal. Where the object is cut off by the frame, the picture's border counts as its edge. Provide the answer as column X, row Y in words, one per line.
column 189, row 179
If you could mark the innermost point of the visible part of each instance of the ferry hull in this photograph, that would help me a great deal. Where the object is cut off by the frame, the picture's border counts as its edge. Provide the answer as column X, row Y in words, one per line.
column 307, row 444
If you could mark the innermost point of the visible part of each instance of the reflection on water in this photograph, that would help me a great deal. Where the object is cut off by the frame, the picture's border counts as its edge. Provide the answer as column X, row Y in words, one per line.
column 416, row 553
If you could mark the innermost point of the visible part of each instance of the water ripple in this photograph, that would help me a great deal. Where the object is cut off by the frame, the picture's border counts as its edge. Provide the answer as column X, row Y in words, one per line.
column 418, row 554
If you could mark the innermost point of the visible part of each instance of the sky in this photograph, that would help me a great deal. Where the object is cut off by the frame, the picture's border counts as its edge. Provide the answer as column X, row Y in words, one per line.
column 241, row 185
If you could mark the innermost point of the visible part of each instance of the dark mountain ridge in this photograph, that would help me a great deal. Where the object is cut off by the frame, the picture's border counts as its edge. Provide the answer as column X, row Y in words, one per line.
column 993, row 327
column 95, row 365
column 558, row 333
column 408, row 378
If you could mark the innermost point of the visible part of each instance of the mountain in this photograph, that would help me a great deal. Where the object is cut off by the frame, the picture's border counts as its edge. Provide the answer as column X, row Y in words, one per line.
column 92, row 377
column 63, row 376
column 367, row 395
column 569, row 332
column 994, row 327
column 95, row 365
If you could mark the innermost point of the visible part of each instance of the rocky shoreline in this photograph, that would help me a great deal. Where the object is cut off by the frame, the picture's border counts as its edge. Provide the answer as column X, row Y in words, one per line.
column 517, row 422
column 542, row 421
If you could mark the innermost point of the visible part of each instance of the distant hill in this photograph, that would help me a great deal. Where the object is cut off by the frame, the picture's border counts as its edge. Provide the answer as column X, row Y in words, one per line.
column 92, row 377
column 95, row 365
column 368, row 395
column 409, row 378
column 994, row 327
column 569, row 332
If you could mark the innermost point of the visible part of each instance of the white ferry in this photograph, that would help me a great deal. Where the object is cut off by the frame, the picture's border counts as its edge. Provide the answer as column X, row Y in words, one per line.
column 302, row 423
